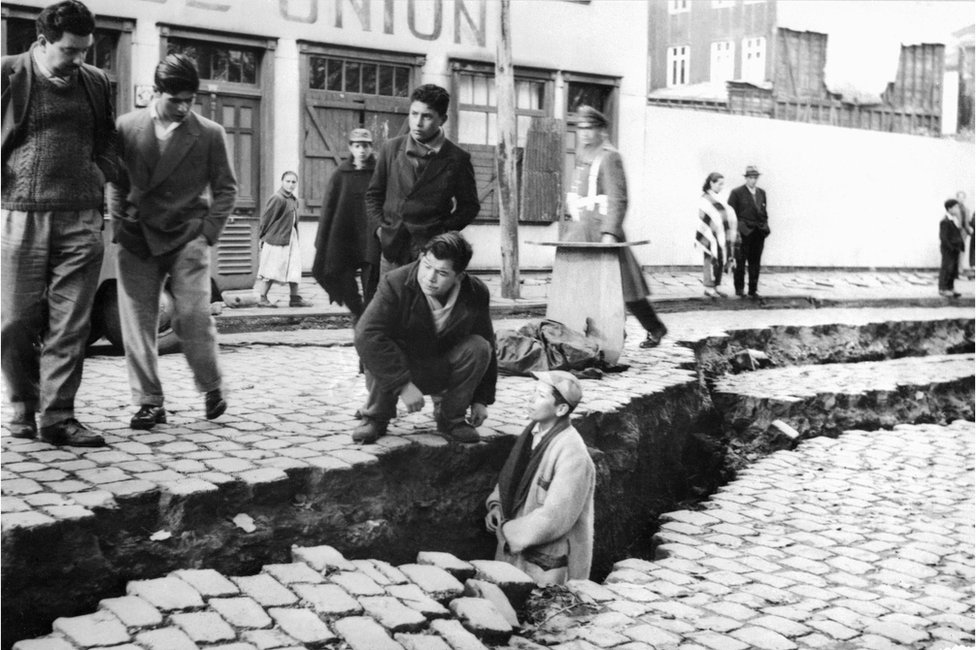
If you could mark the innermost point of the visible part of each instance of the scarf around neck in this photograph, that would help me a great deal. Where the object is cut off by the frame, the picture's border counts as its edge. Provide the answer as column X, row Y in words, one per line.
column 518, row 471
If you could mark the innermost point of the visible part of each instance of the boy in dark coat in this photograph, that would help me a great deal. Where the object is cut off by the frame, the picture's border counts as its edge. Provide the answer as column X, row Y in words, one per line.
column 423, row 185
column 344, row 244
column 950, row 245
column 427, row 331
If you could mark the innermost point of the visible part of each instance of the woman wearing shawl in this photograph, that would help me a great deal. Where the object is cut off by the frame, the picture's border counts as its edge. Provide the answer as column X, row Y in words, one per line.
column 717, row 236
column 542, row 508
column 280, row 260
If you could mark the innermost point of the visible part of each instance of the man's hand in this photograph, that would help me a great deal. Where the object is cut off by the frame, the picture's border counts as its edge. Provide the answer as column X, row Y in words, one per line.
column 609, row 238
column 494, row 517
column 478, row 414
column 411, row 397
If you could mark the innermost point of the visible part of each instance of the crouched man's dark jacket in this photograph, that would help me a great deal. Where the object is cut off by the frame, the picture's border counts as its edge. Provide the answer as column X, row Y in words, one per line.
column 396, row 339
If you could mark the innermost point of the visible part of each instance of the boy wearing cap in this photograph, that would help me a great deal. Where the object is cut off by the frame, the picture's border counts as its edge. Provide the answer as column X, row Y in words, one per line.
column 749, row 203
column 343, row 244
column 541, row 510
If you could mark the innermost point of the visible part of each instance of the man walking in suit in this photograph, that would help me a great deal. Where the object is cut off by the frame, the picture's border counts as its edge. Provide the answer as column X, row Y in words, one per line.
column 749, row 203
column 58, row 150
column 166, row 227
column 423, row 184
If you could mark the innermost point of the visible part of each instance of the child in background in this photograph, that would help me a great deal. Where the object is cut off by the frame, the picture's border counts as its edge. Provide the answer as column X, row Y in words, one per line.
column 280, row 260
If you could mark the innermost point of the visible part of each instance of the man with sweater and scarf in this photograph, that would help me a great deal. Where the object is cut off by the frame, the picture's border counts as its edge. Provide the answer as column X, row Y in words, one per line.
column 423, row 184
column 59, row 149
column 427, row 331
column 542, row 508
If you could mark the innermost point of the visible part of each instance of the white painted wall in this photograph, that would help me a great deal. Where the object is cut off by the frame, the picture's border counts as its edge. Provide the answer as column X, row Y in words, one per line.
column 837, row 197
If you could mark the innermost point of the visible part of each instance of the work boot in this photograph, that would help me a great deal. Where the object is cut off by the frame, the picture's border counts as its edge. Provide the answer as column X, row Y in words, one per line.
column 214, row 404
column 147, row 417
column 71, row 433
column 368, row 431
column 298, row 301
column 24, row 427
column 265, row 303
column 460, row 432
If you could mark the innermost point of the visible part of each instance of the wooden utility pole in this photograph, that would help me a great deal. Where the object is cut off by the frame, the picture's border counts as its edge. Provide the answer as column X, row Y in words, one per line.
column 505, row 157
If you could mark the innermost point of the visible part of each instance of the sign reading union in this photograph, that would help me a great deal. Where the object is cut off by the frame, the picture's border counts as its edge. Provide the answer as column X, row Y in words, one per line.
column 425, row 19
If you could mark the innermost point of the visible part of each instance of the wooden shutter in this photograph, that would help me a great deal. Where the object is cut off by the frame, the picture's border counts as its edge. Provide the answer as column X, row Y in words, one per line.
column 542, row 165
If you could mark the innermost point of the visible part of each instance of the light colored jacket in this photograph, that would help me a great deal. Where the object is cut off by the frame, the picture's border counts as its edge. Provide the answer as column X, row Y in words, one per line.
column 557, row 518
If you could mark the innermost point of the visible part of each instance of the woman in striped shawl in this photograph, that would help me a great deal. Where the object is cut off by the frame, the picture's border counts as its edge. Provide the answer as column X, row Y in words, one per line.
column 717, row 236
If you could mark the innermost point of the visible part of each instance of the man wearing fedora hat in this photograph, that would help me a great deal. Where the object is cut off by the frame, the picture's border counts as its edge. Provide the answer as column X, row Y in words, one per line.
column 541, row 510
column 749, row 203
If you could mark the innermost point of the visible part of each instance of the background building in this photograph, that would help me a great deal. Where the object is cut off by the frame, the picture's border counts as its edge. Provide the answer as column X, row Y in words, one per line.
column 289, row 78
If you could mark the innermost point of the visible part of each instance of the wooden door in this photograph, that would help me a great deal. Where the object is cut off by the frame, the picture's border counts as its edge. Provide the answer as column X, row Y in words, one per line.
column 325, row 139
column 237, row 251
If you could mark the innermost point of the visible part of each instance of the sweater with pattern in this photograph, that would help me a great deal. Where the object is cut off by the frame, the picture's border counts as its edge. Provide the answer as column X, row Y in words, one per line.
column 52, row 167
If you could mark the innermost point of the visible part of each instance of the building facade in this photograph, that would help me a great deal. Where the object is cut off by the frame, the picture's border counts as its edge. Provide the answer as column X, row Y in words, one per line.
column 288, row 79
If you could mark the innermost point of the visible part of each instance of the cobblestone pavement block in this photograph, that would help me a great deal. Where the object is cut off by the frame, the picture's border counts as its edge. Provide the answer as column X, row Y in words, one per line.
column 414, row 597
column 480, row 617
column 324, row 559
column 328, row 600
column 293, row 573
column 363, row 633
column 516, row 584
column 458, row 568
column 456, row 636
column 98, row 629
column 209, row 583
column 421, row 642
column 493, row 593
column 44, row 643
column 168, row 594
column 241, row 612
column 165, row 638
column 356, row 583
column 435, row 581
column 132, row 611
column 393, row 614
column 303, row 625
column 204, row 627
column 265, row 590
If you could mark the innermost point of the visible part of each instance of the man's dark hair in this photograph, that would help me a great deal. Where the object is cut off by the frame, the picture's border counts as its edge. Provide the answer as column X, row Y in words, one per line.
column 434, row 96
column 949, row 204
column 450, row 246
column 177, row 73
column 68, row 16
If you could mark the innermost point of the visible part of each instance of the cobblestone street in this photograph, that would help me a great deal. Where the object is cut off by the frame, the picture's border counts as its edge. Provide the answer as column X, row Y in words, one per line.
column 864, row 541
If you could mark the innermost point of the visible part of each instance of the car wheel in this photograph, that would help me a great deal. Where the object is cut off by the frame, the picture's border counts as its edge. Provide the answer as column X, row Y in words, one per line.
column 111, row 321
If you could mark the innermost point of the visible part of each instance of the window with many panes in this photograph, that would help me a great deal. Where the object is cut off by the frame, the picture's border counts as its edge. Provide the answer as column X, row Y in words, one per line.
column 360, row 77
column 678, row 65
column 478, row 107
column 218, row 61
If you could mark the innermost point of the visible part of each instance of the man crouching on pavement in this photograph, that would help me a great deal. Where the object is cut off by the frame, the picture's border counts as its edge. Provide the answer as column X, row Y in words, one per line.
column 542, row 508
column 428, row 332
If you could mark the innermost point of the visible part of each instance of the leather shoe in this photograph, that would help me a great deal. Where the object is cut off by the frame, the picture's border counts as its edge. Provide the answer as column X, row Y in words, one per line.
column 264, row 303
column 461, row 432
column 71, row 433
column 25, row 427
column 298, row 301
column 654, row 338
column 215, row 404
column 148, row 416
column 368, row 431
